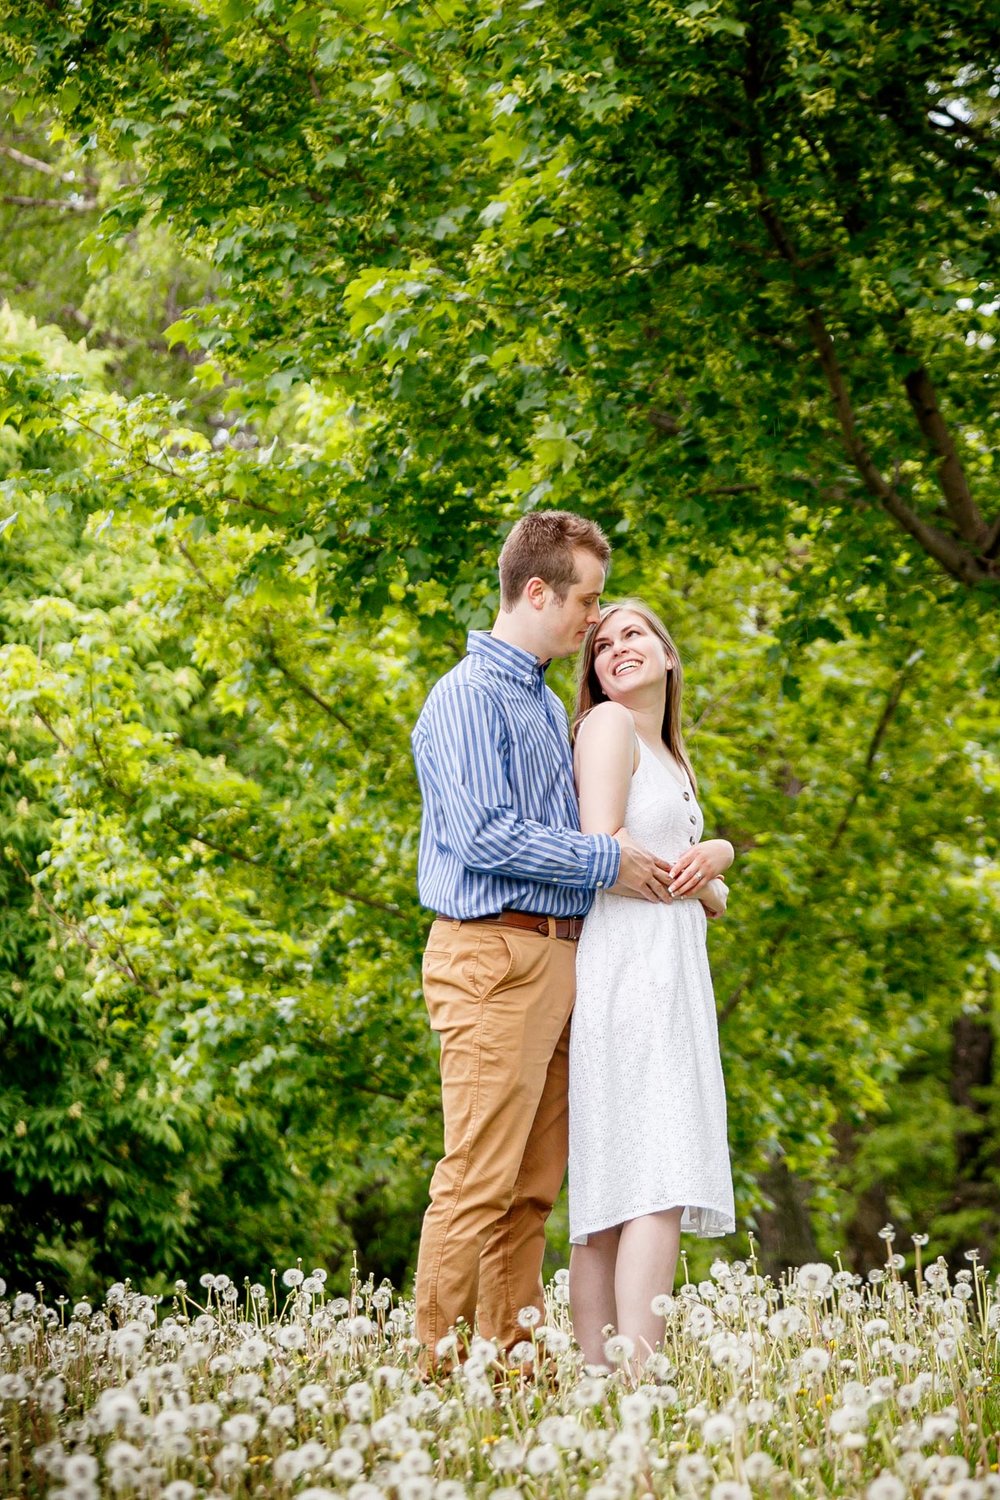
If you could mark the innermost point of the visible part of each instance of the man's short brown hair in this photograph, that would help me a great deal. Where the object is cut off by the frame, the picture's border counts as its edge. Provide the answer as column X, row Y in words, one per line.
column 541, row 546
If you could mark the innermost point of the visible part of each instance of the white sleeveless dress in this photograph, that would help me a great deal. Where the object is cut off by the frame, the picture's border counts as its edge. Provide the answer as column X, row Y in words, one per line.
column 647, row 1103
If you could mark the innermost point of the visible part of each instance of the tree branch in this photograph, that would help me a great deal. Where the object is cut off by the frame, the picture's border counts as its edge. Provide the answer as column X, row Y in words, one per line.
column 951, row 476
column 54, row 733
column 80, row 935
column 961, row 564
column 21, row 200
column 715, row 703
column 37, row 165
column 305, row 688
column 967, row 567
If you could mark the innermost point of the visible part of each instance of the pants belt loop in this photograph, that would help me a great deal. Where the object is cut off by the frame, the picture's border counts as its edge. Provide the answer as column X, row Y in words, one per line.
column 552, row 927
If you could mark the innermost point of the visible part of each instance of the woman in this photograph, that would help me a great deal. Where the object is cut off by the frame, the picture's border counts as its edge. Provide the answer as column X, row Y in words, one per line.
column 648, row 1151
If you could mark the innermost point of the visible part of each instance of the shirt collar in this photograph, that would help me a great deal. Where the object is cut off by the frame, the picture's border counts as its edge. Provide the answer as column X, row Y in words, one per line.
column 503, row 657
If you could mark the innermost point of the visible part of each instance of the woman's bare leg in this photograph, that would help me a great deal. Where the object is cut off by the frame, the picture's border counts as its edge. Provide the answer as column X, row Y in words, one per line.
column 648, row 1249
column 592, row 1292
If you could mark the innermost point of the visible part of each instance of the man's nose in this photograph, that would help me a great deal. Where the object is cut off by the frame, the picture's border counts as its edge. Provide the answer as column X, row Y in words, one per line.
column 594, row 614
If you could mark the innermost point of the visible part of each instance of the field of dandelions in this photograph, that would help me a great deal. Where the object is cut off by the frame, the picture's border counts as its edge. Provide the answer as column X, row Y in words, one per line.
column 882, row 1387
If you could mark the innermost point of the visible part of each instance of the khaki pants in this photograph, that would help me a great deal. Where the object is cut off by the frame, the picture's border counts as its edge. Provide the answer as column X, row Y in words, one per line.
column 501, row 1000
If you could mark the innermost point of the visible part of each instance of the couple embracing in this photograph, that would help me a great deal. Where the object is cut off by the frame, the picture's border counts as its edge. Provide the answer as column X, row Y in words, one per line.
column 522, row 839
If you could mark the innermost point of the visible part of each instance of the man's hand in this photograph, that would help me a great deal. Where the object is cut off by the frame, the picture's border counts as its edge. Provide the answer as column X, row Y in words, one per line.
column 642, row 874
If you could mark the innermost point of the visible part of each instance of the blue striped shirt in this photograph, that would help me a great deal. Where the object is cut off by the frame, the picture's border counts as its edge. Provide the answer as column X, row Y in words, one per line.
column 500, row 824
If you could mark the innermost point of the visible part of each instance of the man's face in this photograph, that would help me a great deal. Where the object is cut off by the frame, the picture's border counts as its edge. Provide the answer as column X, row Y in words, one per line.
column 567, row 620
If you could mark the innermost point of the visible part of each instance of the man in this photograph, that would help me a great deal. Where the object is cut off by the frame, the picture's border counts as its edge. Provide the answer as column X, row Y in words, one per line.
column 504, row 865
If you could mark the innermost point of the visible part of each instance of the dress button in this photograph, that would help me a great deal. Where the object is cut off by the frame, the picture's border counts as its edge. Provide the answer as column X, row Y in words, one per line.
column 687, row 796
column 691, row 839
column 692, row 820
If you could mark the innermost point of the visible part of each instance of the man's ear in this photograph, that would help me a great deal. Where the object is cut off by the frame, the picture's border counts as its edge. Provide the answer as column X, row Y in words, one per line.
column 536, row 592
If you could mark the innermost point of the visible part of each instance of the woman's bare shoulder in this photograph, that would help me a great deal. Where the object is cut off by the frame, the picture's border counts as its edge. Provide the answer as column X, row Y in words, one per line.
column 606, row 719
column 608, row 729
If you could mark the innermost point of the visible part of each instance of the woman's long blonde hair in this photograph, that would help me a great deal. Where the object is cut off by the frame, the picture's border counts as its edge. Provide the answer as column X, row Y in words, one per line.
column 589, row 691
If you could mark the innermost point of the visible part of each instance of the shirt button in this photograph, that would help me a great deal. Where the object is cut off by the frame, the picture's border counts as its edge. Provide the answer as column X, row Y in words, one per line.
column 691, row 839
column 600, row 885
column 687, row 796
column 692, row 820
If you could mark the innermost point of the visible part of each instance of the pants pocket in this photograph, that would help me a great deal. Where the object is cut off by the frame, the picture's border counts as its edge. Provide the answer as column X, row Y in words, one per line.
column 494, row 962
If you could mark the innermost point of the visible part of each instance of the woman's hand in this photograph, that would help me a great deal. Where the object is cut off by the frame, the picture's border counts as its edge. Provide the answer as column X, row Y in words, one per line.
column 698, row 865
column 715, row 898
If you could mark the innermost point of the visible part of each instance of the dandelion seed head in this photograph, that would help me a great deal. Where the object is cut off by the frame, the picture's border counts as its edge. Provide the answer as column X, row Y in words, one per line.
column 542, row 1459
column 786, row 1322
column 814, row 1278
column 758, row 1467
column 717, row 1429
column 230, row 1459
column 636, row 1407
column 505, row 1456
column 886, row 1487
column 240, row 1429
column 692, row 1471
column 414, row 1487
column 938, row 1427
column 170, row 1421
column 759, row 1411
column 178, row 1489
column 450, row 1489
column 204, row 1416
column 291, row 1337
column 618, row 1349
column 699, row 1320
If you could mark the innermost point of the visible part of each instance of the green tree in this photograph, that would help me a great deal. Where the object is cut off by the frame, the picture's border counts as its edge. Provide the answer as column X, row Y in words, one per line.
column 720, row 277
column 723, row 269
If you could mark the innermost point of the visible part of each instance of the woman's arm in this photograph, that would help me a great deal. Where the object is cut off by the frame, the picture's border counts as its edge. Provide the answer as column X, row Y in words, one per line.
column 604, row 760
column 606, row 755
column 714, row 897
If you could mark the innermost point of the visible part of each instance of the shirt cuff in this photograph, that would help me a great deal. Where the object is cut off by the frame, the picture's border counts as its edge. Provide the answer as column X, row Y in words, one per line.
column 606, row 861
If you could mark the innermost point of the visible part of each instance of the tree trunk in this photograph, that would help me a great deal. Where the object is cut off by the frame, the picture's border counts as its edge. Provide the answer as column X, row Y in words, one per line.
column 870, row 1214
column 976, row 1149
column 785, row 1228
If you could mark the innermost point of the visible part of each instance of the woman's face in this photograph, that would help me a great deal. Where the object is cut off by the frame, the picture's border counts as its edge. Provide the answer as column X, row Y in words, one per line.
column 628, row 656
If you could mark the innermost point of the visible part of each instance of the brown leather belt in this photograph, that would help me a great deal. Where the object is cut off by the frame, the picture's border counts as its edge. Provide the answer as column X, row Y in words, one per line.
column 532, row 921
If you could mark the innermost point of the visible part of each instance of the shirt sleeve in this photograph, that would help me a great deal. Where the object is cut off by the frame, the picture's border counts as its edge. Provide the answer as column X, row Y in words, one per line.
column 464, row 762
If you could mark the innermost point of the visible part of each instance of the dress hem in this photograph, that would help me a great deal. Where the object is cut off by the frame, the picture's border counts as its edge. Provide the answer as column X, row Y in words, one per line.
column 581, row 1236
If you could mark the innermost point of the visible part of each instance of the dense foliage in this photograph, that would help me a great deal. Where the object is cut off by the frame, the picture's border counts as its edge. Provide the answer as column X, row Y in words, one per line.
column 358, row 284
